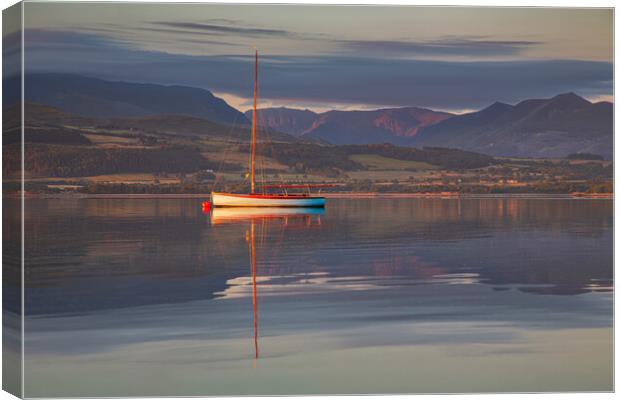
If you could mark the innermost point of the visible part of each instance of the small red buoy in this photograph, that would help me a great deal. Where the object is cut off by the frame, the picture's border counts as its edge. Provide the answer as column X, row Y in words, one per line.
column 206, row 206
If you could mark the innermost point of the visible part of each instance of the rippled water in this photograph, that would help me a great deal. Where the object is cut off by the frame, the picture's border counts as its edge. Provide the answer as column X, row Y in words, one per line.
column 153, row 297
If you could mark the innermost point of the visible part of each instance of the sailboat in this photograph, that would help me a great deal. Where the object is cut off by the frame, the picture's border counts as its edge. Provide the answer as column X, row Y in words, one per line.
column 254, row 198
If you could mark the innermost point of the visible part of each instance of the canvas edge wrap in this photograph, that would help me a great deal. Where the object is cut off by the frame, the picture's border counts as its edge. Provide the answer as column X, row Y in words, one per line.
column 13, row 200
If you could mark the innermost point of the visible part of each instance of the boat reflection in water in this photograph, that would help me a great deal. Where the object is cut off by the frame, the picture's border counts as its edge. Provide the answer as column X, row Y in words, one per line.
column 225, row 215
column 258, row 219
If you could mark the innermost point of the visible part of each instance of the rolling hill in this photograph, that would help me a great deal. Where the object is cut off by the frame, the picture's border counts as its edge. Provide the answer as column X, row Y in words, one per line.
column 553, row 127
column 42, row 116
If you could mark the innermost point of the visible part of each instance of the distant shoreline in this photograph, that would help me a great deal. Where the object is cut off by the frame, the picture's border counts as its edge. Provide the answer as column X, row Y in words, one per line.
column 358, row 195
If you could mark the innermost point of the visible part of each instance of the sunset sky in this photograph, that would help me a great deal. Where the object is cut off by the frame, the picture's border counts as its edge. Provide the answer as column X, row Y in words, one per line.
column 322, row 57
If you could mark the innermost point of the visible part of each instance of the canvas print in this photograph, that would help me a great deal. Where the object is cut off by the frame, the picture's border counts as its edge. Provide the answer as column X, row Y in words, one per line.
column 250, row 199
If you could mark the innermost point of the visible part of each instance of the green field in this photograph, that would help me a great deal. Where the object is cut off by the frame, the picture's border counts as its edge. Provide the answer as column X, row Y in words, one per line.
column 377, row 176
column 243, row 159
column 376, row 162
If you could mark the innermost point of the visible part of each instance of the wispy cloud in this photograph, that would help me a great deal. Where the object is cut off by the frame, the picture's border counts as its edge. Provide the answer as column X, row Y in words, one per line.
column 187, row 34
column 223, row 29
column 438, row 47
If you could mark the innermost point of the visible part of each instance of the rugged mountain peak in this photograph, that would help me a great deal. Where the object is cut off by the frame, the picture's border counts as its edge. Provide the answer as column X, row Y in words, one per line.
column 569, row 99
column 554, row 127
column 496, row 107
column 290, row 120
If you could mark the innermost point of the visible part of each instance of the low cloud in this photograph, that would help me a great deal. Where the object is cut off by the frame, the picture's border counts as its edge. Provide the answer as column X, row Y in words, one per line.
column 330, row 79
column 441, row 47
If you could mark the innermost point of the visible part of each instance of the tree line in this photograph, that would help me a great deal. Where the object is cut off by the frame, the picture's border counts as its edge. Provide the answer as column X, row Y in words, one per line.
column 71, row 161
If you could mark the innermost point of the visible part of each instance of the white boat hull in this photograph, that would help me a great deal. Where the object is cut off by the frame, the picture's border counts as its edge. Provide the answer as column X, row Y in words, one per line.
column 257, row 200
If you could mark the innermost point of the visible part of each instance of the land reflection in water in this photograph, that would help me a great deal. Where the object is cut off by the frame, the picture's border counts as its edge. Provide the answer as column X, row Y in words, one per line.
column 443, row 295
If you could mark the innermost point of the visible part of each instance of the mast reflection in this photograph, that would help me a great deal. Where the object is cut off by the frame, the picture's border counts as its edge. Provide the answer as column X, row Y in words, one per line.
column 254, row 291
column 263, row 216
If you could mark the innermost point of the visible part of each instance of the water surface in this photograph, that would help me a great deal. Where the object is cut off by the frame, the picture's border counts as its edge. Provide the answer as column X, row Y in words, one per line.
column 152, row 297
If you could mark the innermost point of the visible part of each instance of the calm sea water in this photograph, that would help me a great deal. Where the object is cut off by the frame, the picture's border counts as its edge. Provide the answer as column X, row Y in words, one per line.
column 154, row 297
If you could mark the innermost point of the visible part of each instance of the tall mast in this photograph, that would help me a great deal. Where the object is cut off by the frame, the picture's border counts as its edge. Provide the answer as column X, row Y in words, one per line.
column 253, row 156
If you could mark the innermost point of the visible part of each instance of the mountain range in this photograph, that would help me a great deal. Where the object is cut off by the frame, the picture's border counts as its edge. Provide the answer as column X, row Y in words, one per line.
column 553, row 127
column 94, row 97
column 389, row 125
